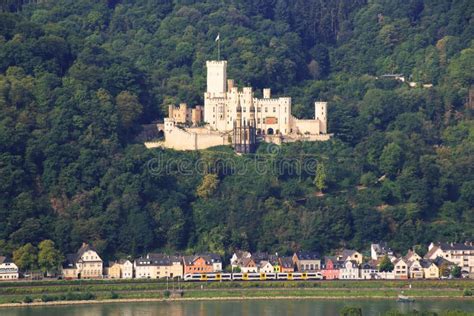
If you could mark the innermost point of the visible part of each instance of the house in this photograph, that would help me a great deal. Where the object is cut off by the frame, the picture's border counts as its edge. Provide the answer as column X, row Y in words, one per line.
column 306, row 261
column 265, row 267
column 415, row 270
column 197, row 264
column 114, row 271
column 369, row 270
column 273, row 259
column 286, row 264
column 430, row 269
column 380, row 250
column 462, row 254
column 330, row 268
column 84, row 264
column 122, row 269
column 248, row 265
column 215, row 259
column 8, row 269
column 156, row 266
column 349, row 270
column 412, row 256
column 348, row 254
column 237, row 256
column 444, row 266
column 260, row 256
column 400, row 269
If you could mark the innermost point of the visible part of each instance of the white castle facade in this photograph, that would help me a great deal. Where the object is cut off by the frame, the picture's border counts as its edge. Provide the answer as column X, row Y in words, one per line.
column 272, row 115
column 224, row 104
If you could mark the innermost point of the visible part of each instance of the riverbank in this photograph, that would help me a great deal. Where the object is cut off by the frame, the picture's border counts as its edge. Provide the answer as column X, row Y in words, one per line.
column 190, row 299
column 99, row 291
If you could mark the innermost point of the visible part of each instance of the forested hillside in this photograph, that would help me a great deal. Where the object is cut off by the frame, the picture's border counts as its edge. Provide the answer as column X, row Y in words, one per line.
column 79, row 78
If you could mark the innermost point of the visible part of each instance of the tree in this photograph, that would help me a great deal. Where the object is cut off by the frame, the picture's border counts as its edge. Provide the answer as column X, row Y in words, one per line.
column 26, row 257
column 320, row 177
column 391, row 159
column 386, row 265
column 208, row 185
column 129, row 108
column 49, row 258
column 456, row 272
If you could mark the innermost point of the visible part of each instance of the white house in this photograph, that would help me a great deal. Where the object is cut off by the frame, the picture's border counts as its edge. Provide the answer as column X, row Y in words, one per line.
column 8, row 269
column 265, row 267
column 238, row 256
column 401, row 269
column 369, row 271
column 349, row 270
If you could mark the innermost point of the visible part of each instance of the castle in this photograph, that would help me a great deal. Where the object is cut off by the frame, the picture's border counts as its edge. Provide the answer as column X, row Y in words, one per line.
column 230, row 116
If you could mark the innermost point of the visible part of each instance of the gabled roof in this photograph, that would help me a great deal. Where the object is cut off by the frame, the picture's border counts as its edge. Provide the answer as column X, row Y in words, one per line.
column 263, row 263
column 209, row 258
column 246, row 262
column 369, row 265
column 446, row 247
column 4, row 259
column 242, row 254
column 212, row 257
column 70, row 261
column 84, row 248
column 381, row 248
column 259, row 256
column 411, row 255
column 344, row 254
column 440, row 261
column 308, row 255
column 426, row 263
column 286, row 262
column 72, row 258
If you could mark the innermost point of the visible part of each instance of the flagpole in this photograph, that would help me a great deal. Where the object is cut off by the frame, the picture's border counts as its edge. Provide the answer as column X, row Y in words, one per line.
column 219, row 47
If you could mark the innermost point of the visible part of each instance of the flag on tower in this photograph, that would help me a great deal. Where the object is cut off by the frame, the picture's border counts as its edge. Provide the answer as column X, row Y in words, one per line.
column 218, row 37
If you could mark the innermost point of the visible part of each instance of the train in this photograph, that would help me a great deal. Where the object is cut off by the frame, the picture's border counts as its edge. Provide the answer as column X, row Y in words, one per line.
column 253, row 276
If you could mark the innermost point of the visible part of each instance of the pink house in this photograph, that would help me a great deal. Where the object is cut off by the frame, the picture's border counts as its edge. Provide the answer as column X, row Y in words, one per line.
column 330, row 269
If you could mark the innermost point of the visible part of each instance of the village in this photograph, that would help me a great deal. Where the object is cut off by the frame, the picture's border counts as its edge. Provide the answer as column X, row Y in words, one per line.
column 442, row 260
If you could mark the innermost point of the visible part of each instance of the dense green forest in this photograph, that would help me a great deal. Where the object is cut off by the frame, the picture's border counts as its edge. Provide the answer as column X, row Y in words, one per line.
column 78, row 79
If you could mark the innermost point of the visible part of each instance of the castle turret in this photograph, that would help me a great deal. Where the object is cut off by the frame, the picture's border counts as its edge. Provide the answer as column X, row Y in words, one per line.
column 321, row 114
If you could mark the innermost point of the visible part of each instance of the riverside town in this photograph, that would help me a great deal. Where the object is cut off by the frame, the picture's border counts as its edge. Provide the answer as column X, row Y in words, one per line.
column 440, row 261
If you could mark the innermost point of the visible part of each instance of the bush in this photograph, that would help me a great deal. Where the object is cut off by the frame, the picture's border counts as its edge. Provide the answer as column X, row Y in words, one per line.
column 467, row 292
column 114, row 295
column 27, row 299
column 166, row 294
column 350, row 311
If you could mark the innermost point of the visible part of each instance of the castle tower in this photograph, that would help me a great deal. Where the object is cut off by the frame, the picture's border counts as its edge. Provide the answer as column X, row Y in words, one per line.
column 216, row 76
column 321, row 114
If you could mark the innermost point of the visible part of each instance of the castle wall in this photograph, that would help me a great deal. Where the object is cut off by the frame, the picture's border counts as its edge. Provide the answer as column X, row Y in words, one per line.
column 305, row 126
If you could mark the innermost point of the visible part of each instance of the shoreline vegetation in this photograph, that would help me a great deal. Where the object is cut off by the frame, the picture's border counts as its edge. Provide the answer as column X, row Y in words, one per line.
column 47, row 293
column 218, row 298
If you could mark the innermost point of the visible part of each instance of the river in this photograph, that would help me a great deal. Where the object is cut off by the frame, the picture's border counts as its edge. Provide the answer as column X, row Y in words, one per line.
column 247, row 308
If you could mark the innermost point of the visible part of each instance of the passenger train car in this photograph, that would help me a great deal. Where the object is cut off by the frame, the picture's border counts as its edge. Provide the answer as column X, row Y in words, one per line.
column 253, row 276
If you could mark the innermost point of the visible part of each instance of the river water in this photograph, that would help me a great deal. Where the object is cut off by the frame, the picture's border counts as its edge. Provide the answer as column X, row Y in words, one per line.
column 245, row 307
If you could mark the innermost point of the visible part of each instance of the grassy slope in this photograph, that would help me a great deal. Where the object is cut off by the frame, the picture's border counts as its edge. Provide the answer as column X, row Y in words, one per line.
column 16, row 292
